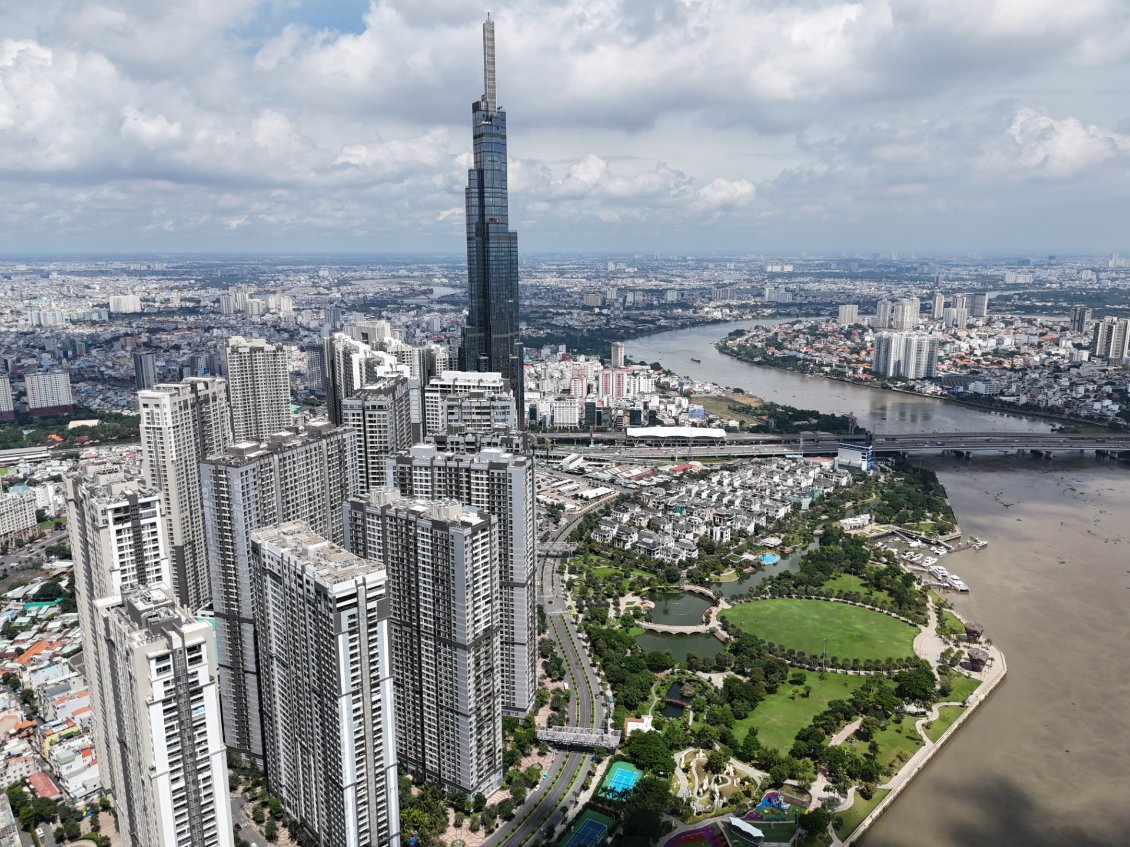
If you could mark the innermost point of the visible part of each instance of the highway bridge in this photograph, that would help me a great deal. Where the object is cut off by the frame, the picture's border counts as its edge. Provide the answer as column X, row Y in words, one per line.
column 616, row 446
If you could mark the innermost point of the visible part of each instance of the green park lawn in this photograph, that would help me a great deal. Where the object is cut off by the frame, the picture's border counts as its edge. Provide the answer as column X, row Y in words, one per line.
column 853, row 816
column 891, row 742
column 851, row 582
column 946, row 716
column 950, row 625
column 779, row 717
column 963, row 686
column 852, row 632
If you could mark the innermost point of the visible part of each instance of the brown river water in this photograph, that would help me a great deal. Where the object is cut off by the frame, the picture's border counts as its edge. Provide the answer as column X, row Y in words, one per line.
column 1046, row 760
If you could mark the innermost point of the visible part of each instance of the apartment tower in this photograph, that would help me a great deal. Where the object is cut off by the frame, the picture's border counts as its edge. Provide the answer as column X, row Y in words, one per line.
column 442, row 564
column 321, row 620
column 161, row 708
column 182, row 423
column 499, row 480
column 301, row 475
column 258, row 388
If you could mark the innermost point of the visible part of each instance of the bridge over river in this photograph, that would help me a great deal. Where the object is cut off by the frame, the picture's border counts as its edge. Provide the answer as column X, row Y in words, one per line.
column 617, row 446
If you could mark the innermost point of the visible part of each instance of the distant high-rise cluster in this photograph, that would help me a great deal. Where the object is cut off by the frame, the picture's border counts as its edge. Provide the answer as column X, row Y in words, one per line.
column 1110, row 338
column 905, row 355
column 372, row 596
column 1080, row 317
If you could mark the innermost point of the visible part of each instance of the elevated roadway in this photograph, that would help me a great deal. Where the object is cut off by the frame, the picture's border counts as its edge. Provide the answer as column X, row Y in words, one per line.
column 737, row 445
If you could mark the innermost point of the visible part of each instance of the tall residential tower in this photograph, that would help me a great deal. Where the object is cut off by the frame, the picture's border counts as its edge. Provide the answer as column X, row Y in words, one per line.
column 182, row 423
column 303, row 476
column 490, row 338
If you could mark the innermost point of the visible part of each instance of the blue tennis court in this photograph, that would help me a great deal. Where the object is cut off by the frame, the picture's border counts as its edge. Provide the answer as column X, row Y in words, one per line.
column 590, row 829
column 589, row 833
column 621, row 779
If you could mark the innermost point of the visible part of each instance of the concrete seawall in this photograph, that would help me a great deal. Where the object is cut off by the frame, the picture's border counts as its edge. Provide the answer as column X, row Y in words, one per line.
column 921, row 759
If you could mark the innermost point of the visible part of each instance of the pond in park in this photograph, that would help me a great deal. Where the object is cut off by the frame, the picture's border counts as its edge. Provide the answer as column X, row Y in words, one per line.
column 680, row 646
column 678, row 608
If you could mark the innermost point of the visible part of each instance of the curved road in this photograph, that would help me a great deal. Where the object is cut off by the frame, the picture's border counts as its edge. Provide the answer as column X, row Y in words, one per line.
column 553, row 802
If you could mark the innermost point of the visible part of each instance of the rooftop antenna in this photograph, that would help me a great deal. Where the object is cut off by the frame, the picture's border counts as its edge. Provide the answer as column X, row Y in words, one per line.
column 490, row 96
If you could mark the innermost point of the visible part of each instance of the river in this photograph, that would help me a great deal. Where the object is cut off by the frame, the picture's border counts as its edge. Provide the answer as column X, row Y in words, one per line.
column 878, row 410
column 1046, row 760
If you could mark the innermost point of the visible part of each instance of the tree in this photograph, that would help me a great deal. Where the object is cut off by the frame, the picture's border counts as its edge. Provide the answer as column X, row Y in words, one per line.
column 506, row 809
column 717, row 760
column 479, row 803
column 275, row 807
column 916, row 685
column 815, row 821
column 518, row 794
column 649, row 751
column 271, row 831
column 804, row 772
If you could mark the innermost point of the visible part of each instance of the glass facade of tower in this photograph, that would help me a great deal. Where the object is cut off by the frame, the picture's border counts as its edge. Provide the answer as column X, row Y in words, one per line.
column 490, row 338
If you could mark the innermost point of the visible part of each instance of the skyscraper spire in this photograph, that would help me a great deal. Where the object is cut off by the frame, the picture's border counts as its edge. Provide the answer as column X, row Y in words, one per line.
column 490, row 96
column 491, row 341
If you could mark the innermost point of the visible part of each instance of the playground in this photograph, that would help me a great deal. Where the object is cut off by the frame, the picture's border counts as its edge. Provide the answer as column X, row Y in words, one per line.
column 772, row 807
column 620, row 780
column 590, row 828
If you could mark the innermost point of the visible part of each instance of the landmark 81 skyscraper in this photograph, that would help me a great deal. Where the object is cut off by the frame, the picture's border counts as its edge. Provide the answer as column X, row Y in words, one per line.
column 490, row 338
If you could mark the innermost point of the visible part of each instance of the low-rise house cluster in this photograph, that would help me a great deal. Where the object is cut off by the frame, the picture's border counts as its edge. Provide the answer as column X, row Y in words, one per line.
column 670, row 527
column 47, row 734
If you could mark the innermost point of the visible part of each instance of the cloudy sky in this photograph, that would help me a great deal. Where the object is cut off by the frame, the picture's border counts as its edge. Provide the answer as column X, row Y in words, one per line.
column 688, row 125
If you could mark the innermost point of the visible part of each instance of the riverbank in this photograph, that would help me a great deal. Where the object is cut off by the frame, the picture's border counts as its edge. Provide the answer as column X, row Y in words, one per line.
column 946, row 397
column 991, row 679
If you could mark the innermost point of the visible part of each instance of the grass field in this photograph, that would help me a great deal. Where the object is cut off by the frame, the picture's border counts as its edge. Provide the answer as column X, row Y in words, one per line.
column 946, row 716
column 851, row 582
column 720, row 406
column 779, row 716
column 851, row 632
column 950, row 625
column 963, row 686
column 891, row 742
column 853, row 816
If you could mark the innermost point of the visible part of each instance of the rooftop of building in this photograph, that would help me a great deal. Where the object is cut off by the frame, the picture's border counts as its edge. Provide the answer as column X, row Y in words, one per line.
column 331, row 562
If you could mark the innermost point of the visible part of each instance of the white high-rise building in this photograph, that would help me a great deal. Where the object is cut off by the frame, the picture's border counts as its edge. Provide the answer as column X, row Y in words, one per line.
column 905, row 314
column 848, row 315
column 7, row 407
column 442, row 564
column 1110, row 338
column 160, row 705
column 180, row 424
column 321, row 614
column 939, row 305
column 499, row 480
column 49, row 393
column 304, row 476
column 617, row 354
column 450, row 383
column 381, row 413
column 17, row 515
column 905, row 355
column 884, row 311
column 151, row 668
column 258, row 388
column 351, row 365
column 125, row 304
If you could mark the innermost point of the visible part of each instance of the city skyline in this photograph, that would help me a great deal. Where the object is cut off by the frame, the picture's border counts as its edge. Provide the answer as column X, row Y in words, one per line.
column 873, row 126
